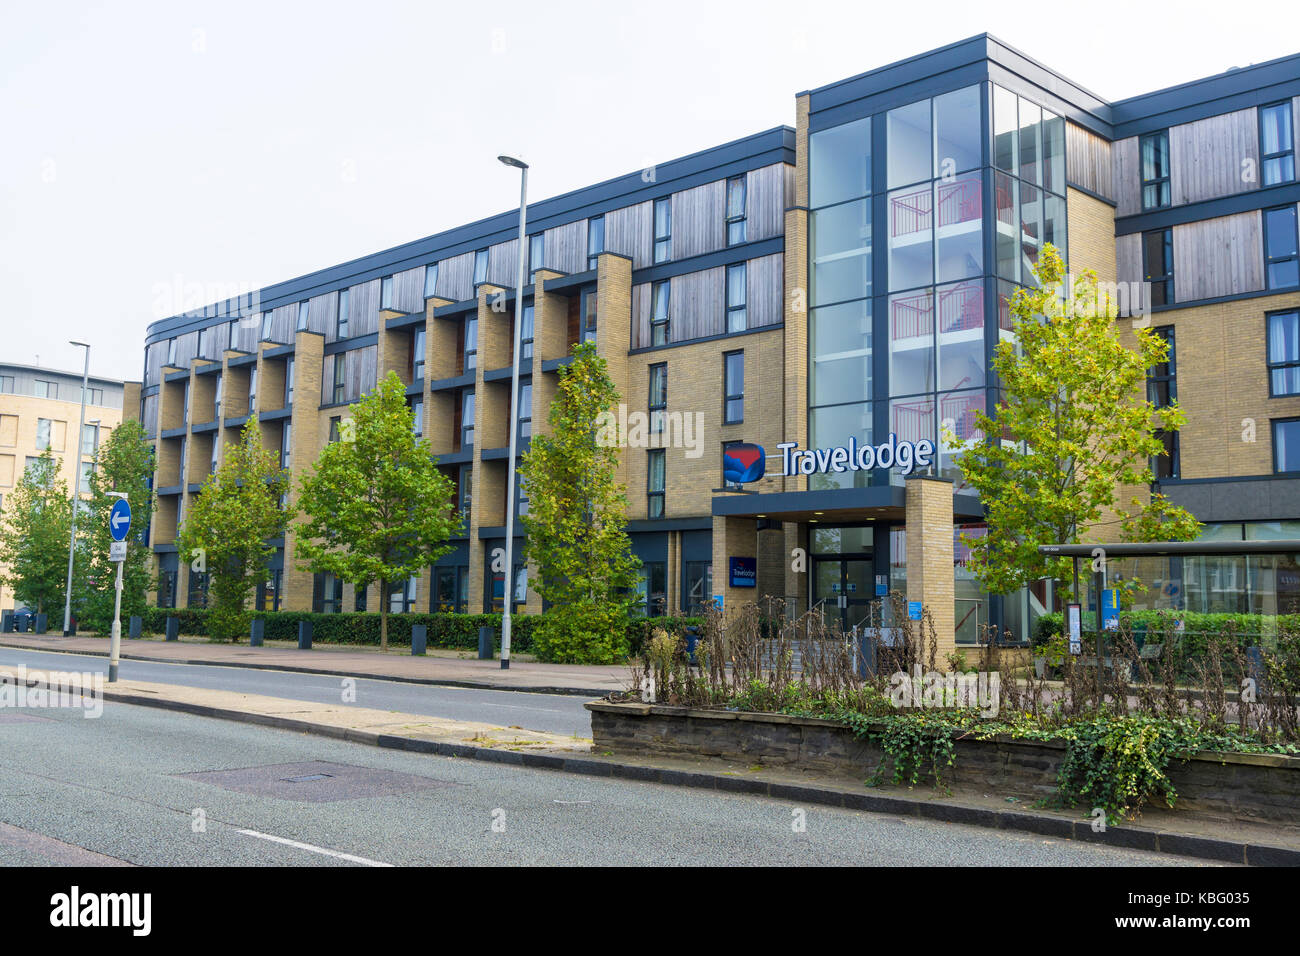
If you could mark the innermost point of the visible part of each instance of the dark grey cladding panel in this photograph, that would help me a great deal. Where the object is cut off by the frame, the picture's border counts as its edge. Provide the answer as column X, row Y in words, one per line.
column 1247, row 499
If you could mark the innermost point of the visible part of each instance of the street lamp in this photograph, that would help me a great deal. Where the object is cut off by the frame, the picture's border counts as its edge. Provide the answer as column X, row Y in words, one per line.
column 76, row 479
column 509, row 589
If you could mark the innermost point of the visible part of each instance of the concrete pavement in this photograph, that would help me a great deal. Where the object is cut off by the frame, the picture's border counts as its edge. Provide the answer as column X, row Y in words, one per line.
column 349, row 661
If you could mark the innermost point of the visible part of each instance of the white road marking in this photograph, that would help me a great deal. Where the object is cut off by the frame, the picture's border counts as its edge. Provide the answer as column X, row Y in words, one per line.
column 314, row 849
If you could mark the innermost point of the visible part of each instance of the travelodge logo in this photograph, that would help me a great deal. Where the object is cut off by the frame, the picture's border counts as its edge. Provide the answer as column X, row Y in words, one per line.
column 743, row 463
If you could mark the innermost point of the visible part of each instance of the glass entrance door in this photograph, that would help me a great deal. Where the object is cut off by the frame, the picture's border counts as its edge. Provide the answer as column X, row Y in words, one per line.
column 844, row 588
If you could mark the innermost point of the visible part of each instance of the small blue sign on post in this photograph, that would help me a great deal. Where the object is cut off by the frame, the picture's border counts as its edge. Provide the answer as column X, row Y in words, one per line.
column 119, row 520
column 1110, row 609
column 914, row 610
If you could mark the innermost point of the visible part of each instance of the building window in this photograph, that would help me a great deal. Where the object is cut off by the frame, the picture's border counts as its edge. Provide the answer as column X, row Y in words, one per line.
column 452, row 590
column 341, row 321
column 1280, row 248
column 44, row 428
column 733, row 374
column 595, row 239
column 205, row 336
column 536, row 254
column 652, row 588
column 216, row 398
column 660, row 315
column 252, row 389
column 1162, row 390
column 1286, row 445
column 467, row 419
column 480, row 267
column 1158, row 265
column 6, row 384
column 1284, row 353
column 663, row 229
column 1154, row 151
column 328, row 594
column 430, row 279
column 735, row 210
column 86, row 469
column 89, row 439
column 198, row 594
column 417, row 417
column 289, row 365
column 658, row 402
column 697, row 590
column 267, row 324
column 232, row 333
column 171, row 352
column 526, row 335
column 268, row 592
column 214, row 446
column 654, row 483
column 401, row 596
column 340, row 376
column 1276, row 143
column 417, row 355
column 359, row 598
column 386, row 292
column 336, row 428
column 304, row 310
column 44, row 389
column 589, row 310
column 93, row 396
column 737, row 318
column 471, row 343
column 286, row 443
column 465, row 490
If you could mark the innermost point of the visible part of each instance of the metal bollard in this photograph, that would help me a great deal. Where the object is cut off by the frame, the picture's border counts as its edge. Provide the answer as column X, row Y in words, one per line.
column 256, row 632
column 136, row 627
column 485, row 641
column 419, row 639
column 42, row 622
column 173, row 628
column 304, row 635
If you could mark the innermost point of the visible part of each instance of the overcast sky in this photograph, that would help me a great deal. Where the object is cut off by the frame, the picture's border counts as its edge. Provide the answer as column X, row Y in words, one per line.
column 147, row 147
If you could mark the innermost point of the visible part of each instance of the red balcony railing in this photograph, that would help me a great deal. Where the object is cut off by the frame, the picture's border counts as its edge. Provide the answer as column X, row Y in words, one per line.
column 960, row 410
column 959, row 202
column 913, row 420
column 911, row 316
column 910, row 212
column 961, row 307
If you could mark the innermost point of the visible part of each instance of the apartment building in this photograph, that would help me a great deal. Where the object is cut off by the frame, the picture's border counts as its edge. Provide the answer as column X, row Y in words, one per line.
column 39, row 410
column 797, row 314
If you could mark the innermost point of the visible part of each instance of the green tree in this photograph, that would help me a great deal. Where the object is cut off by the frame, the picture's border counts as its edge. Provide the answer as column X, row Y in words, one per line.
column 124, row 463
column 34, row 534
column 1074, row 425
column 577, row 521
column 375, row 506
column 228, row 528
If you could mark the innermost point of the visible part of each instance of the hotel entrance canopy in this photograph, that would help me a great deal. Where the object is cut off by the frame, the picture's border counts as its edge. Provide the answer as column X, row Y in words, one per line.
column 835, row 505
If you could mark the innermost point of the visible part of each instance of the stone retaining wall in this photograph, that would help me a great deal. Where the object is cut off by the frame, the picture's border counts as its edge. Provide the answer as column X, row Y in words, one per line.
column 1249, row 786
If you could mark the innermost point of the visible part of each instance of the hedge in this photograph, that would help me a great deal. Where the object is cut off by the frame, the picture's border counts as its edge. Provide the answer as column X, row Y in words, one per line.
column 1246, row 629
column 445, row 630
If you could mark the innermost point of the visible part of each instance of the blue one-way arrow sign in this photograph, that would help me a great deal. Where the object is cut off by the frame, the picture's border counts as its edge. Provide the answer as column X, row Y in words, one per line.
column 119, row 520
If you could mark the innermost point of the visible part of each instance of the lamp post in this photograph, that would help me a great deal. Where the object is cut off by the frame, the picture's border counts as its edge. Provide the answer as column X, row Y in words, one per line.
column 509, row 588
column 76, row 490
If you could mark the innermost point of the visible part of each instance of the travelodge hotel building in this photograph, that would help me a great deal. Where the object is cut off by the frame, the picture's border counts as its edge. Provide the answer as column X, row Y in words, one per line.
column 830, row 292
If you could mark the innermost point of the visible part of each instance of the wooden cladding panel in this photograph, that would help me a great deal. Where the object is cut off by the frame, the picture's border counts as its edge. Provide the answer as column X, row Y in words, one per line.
column 566, row 247
column 697, row 304
column 456, row 277
column 503, row 264
column 1088, row 161
column 765, row 202
column 1128, row 258
column 630, row 232
column 149, row 416
column 360, row 368
column 642, row 299
column 764, row 290
column 1126, row 174
column 699, row 220
column 1206, row 157
column 322, row 315
column 153, row 359
column 187, row 347
column 363, row 308
column 408, row 290
column 1217, row 257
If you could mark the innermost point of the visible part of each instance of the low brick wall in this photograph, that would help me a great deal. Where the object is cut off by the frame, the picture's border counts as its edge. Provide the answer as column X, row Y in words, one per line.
column 1249, row 786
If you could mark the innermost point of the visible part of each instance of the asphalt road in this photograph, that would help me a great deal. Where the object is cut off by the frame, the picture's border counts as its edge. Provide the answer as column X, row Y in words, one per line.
column 553, row 713
column 120, row 787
